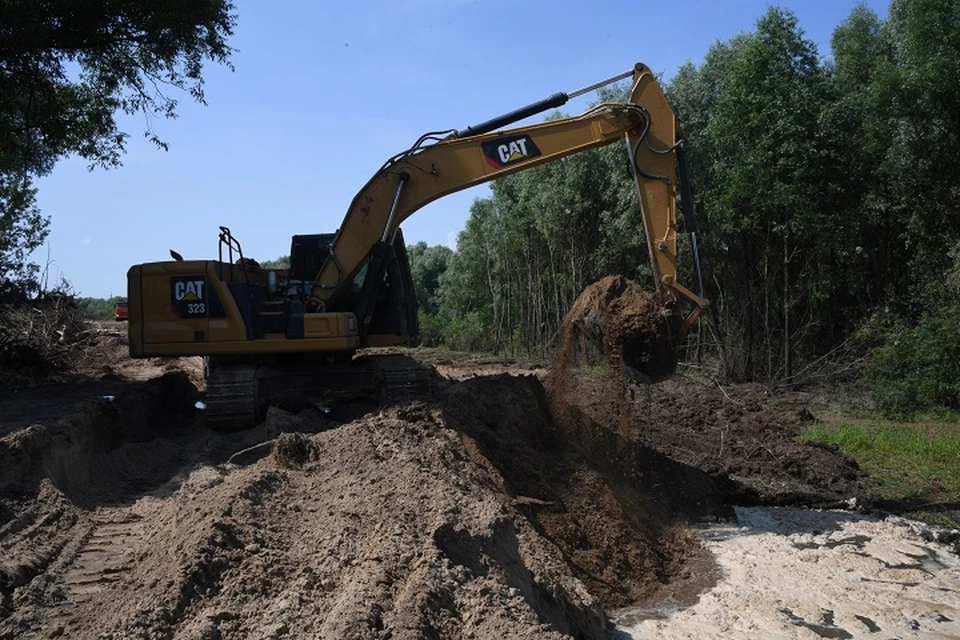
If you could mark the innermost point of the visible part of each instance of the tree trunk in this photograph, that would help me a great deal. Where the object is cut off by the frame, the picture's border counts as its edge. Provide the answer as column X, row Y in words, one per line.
column 787, row 365
column 767, row 342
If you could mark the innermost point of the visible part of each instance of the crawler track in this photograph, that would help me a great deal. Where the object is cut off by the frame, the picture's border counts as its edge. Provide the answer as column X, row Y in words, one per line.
column 239, row 392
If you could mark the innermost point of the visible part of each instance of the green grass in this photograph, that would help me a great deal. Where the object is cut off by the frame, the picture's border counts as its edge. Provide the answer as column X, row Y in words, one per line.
column 916, row 464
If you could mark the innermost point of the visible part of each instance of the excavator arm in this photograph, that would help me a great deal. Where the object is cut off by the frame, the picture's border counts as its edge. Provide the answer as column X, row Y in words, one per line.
column 475, row 155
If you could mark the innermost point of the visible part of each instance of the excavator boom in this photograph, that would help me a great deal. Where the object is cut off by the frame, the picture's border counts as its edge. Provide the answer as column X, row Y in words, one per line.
column 472, row 156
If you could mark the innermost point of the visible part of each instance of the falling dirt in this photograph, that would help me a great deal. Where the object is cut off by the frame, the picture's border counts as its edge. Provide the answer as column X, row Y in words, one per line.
column 746, row 442
column 484, row 509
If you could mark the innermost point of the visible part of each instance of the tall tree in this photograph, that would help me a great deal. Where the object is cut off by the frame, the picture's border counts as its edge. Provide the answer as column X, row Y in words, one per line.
column 922, row 81
column 68, row 66
column 858, row 132
column 427, row 266
column 763, row 193
column 470, row 299
column 694, row 93
column 22, row 229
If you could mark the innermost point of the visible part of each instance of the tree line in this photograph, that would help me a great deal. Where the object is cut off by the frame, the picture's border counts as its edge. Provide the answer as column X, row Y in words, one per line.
column 829, row 193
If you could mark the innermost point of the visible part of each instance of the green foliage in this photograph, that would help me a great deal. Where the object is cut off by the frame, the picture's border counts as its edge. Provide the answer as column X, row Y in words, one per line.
column 918, row 367
column 427, row 265
column 919, row 78
column 693, row 93
column 66, row 69
column 914, row 364
column 472, row 278
column 431, row 329
column 98, row 308
column 897, row 116
column 766, row 123
column 467, row 332
column 752, row 116
column 830, row 191
column 22, row 229
column 281, row 263
column 915, row 463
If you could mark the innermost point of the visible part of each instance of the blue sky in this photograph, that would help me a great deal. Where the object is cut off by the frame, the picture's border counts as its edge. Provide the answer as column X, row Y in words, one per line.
column 323, row 92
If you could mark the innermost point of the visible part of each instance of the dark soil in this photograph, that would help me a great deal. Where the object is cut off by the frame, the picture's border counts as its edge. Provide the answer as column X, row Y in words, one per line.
column 743, row 437
column 613, row 508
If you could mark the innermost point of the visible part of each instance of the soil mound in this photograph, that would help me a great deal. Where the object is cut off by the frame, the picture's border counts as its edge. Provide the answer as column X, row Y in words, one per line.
column 470, row 513
column 381, row 528
column 82, row 453
column 743, row 437
column 622, row 323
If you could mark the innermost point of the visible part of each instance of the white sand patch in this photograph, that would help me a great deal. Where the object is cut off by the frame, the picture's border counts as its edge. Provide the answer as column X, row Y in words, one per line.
column 799, row 573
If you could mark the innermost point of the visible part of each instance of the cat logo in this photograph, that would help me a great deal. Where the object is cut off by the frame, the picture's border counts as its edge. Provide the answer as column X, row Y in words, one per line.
column 188, row 290
column 187, row 296
column 502, row 152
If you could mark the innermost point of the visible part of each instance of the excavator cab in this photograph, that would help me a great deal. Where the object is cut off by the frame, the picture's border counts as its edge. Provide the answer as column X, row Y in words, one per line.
column 384, row 304
column 387, row 308
column 308, row 253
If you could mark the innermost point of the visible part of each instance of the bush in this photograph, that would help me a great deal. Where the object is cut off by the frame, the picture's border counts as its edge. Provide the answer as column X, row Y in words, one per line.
column 917, row 368
column 99, row 308
column 431, row 329
column 39, row 336
column 466, row 332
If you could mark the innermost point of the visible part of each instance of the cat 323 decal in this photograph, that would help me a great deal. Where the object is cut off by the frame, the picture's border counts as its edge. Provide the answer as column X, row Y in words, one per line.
column 188, row 296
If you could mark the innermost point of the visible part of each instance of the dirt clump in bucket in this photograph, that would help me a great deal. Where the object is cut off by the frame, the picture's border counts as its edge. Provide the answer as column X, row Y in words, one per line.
column 617, row 322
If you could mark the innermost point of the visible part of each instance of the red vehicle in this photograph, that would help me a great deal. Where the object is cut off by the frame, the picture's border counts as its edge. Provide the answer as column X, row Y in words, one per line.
column 120, row 311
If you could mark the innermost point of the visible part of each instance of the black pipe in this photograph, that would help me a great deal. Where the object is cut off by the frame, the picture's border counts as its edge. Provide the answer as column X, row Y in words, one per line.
column 554, row 101
column 689, row 211
column 686, row 190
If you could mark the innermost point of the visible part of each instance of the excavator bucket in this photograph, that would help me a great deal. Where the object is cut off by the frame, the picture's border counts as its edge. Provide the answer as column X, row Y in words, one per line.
column 618, row 323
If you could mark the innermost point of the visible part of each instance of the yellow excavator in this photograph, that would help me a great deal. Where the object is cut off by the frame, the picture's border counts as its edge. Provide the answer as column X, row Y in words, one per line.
column 265, row 331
